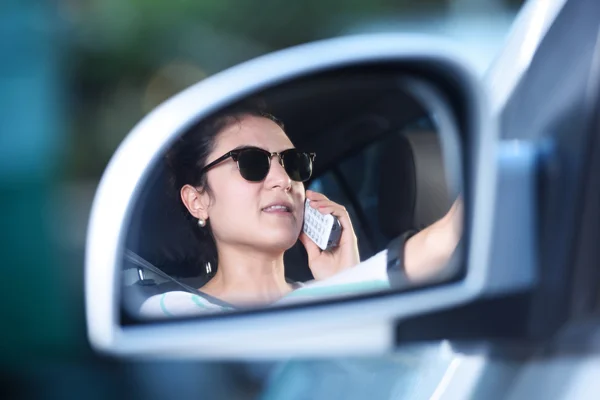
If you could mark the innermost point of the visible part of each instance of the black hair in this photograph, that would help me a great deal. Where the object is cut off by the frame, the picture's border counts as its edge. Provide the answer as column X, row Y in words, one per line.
column 189, row 154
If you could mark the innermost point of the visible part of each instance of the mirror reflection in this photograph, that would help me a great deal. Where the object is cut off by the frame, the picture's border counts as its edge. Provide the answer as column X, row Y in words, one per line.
column 329, row 186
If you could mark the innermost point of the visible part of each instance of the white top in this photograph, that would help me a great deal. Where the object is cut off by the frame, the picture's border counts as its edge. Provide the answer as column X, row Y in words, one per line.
column 368, row 276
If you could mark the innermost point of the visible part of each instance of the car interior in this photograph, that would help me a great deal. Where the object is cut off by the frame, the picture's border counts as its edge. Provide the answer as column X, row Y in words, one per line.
column 366, row 133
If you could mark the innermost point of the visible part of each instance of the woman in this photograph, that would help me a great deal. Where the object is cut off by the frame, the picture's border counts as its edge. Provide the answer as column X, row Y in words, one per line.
column 241, row 181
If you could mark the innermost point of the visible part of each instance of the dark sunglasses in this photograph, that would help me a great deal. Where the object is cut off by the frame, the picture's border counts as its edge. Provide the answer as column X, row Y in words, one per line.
column 254, row 163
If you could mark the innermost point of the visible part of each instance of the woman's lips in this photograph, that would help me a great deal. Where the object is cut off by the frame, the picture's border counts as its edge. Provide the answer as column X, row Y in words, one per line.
column 277, row 209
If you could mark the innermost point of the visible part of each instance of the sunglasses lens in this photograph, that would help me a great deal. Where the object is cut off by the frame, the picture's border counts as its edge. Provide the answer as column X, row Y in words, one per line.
column 298, row 165
column 253, row 165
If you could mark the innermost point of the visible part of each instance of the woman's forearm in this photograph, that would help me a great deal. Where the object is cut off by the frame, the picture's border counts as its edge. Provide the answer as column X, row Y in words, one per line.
column 428, row 251
column 422, row 258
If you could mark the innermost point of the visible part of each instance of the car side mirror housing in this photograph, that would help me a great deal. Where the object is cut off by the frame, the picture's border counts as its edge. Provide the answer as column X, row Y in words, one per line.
column 403, row 84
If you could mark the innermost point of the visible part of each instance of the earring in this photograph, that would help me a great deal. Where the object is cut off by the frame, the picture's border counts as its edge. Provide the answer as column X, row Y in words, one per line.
column 208, row 268
column 201, row 223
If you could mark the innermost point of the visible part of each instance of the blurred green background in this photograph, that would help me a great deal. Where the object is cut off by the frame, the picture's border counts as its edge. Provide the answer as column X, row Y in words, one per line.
column 76, row 75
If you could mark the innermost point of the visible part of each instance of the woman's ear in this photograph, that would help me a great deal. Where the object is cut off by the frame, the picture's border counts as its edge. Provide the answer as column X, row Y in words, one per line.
column 195, row 201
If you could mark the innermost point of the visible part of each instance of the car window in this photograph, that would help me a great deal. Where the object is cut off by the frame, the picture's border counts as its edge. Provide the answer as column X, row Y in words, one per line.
column 367, row 130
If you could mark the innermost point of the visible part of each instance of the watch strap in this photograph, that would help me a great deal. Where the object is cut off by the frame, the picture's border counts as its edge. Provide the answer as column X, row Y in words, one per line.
column 395, row 260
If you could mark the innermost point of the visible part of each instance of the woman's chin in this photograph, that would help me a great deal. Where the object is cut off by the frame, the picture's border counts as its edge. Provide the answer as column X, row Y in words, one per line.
column 281, row 242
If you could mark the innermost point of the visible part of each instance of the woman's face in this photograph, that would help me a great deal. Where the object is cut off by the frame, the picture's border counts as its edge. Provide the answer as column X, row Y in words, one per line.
column 240, row 212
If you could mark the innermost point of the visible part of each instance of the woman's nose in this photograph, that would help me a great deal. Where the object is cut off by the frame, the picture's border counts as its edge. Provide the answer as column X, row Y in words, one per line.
column 277, row 176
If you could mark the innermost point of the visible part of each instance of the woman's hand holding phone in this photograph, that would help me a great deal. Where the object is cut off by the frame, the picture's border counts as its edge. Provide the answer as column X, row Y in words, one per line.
column 324, row 264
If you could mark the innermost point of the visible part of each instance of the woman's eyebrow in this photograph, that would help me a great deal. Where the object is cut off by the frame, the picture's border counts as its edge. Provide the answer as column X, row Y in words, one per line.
column 248, row 146
column 245, row 146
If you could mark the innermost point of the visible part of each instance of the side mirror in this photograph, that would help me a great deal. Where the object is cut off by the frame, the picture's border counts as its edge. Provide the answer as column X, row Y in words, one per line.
column 401, row 130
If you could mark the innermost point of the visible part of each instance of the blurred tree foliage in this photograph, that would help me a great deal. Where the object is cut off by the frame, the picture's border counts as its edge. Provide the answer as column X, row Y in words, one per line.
column 128, row 56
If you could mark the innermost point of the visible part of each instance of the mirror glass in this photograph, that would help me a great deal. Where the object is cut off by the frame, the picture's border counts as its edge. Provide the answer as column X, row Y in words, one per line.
column 217, row 224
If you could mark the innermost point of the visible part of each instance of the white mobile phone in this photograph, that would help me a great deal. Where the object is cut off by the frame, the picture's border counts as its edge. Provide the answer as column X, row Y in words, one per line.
column 324, row 230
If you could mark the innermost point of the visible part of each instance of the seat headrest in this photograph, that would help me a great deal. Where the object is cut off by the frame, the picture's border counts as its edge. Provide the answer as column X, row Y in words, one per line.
column 413, row 192
column 159, row 231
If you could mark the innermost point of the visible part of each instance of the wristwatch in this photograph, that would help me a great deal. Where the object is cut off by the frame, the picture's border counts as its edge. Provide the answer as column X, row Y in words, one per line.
column 395, row 260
